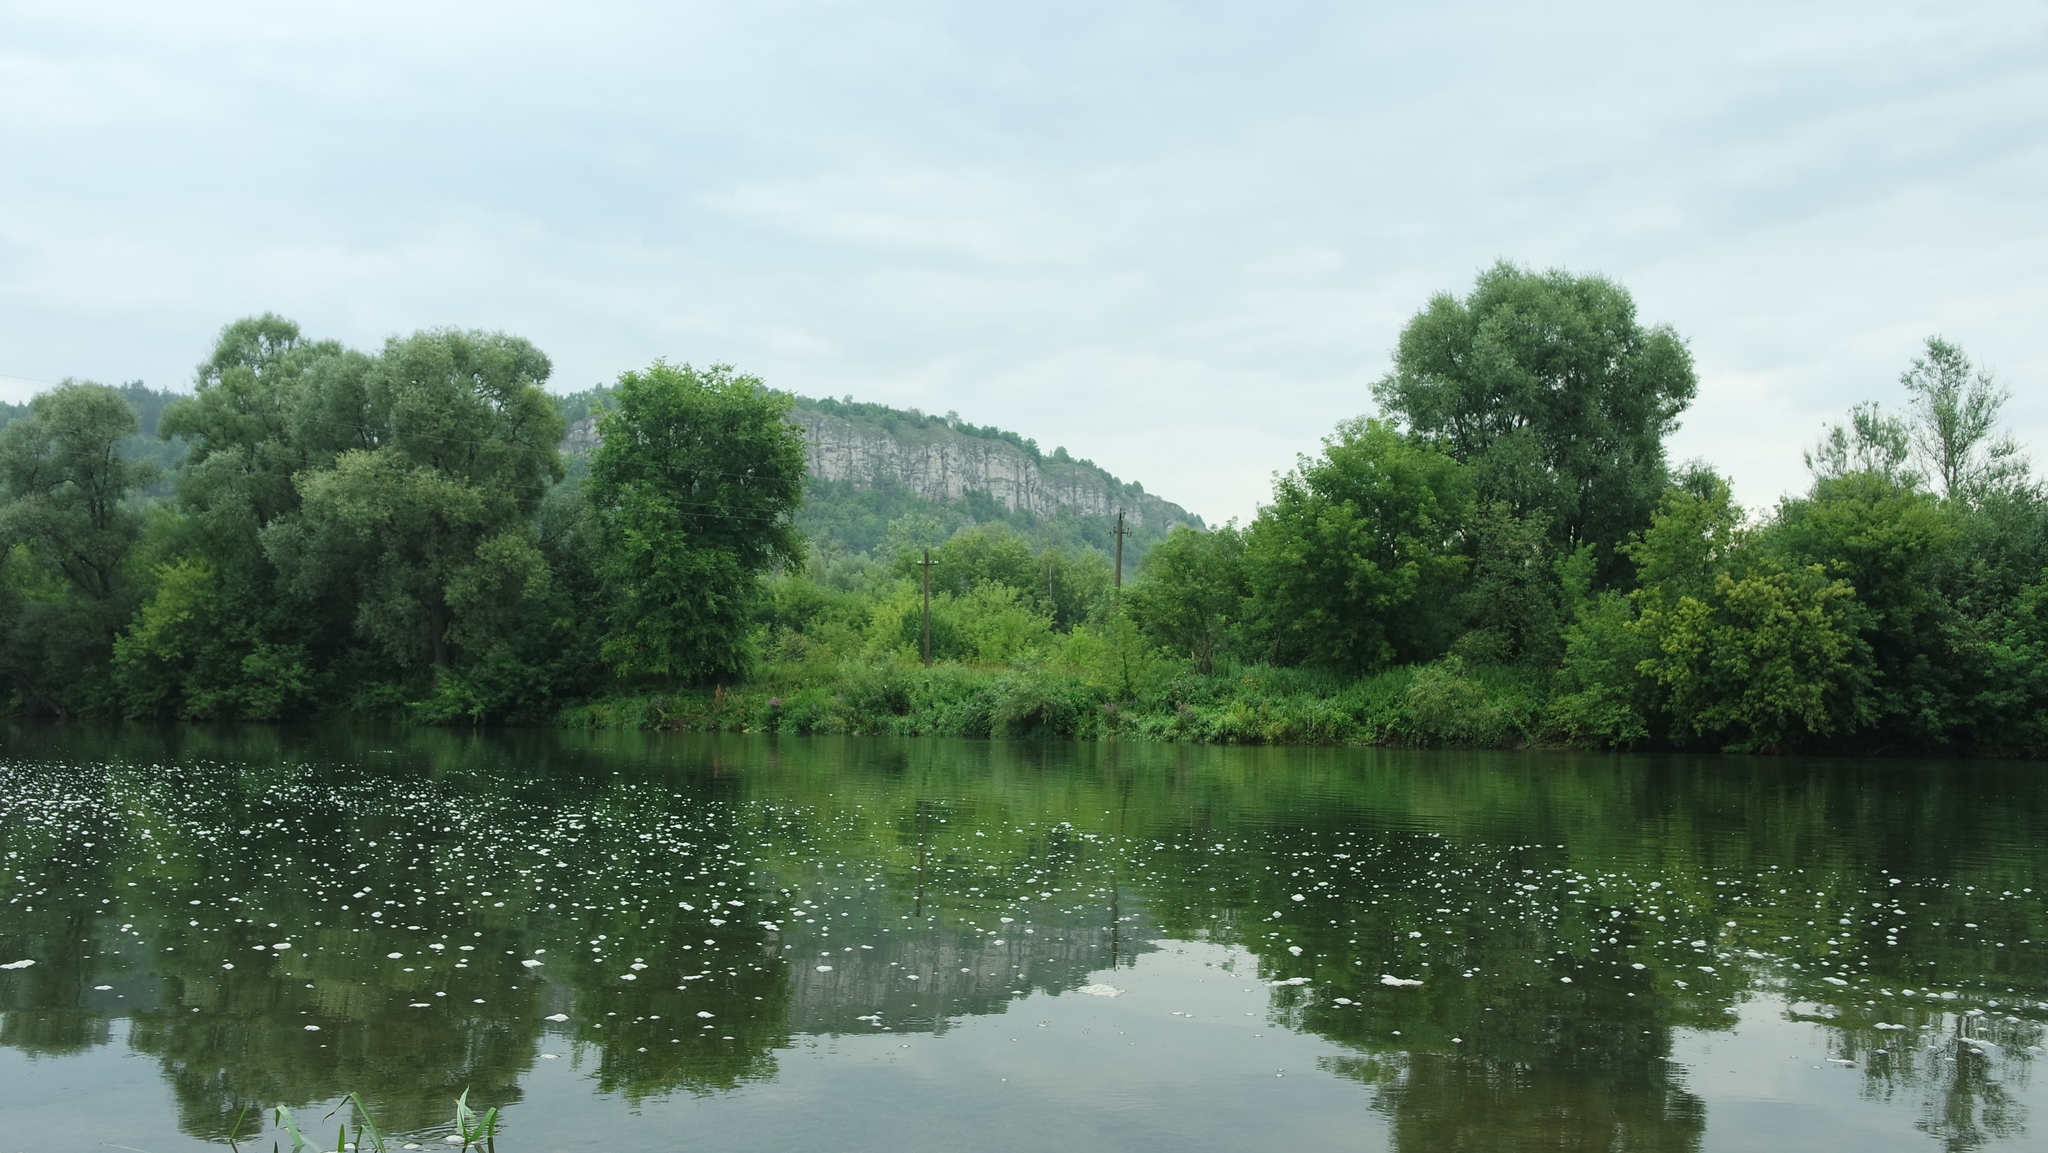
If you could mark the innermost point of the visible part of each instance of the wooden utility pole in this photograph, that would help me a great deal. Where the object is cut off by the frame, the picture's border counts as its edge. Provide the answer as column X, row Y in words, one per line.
column 926, row 565
column 1120, row 531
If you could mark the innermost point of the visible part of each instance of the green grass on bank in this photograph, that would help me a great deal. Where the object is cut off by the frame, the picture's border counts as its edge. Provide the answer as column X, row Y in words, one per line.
column 1445, row 703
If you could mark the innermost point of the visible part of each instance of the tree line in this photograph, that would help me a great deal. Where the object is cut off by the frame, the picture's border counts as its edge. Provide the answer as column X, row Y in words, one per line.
column 1502, row 554
column 357, row 533
column 1512, row 506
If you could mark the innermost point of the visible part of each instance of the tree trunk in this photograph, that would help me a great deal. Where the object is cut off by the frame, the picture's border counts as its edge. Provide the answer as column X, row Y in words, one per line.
column 34, row 694
column 437, row 632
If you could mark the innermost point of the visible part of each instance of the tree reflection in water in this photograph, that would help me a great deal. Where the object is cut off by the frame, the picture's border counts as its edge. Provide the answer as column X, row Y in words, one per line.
column 698, row 905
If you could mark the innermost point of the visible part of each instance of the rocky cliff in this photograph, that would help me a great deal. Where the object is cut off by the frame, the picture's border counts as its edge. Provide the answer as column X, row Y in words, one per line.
column 931, row 457
column 943, row 459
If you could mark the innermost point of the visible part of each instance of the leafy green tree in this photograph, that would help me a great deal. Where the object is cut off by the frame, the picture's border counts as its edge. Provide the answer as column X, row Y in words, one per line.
column 1512, row 604
column 67, row 531
column 990, row 623
column 258, row 417
column 1552, row 391
column 2001, row 548
column 1947, row 438
column 1894, row 547
column 1600, row 694
column 1114, row 657
column 1355, row 562
column 907, row 536
column 427, row 530
column 1063, row 585
column 985, row 553
column 1721, row 641
column 1604, row 690
column 225, row 634
column 1955, row 408
column 694, row 488
column 197, row 650
column 1693, row 538
column 1872, row 441
column 1077, row 585
column 2010, row 705
column 1763, row 661
column 1190, row 591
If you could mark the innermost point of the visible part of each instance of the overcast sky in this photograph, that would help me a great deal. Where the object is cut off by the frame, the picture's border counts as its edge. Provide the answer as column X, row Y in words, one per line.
column 1177, row 238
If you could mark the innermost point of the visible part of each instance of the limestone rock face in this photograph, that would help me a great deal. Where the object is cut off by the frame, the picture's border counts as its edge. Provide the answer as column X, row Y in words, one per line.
column 942, row 464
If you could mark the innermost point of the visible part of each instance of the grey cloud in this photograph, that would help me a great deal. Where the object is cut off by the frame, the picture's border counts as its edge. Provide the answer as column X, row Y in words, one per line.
column 1179, row 239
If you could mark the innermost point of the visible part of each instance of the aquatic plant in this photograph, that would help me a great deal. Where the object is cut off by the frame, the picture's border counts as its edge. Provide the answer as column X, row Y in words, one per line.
column 472, row 1129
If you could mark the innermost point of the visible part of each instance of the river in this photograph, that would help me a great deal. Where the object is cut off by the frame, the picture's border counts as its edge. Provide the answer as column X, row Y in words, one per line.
column 630, row 941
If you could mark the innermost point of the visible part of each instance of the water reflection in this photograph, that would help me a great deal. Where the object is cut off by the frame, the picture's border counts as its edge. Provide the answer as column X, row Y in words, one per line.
column 1500, row 949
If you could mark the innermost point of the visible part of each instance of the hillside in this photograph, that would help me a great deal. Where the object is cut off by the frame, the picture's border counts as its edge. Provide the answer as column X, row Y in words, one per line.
column 872, row 465
column 149, row 404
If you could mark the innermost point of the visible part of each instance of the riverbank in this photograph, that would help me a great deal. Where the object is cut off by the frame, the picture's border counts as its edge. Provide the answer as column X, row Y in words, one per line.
column 1445, row 703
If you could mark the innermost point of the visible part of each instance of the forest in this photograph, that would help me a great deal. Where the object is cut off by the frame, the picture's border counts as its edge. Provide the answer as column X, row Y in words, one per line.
column 1501, row 554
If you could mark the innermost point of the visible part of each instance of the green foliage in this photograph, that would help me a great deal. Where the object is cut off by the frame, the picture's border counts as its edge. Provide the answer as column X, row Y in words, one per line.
column 398, row 533
column 1554, row 394
column 2012, row 698
column 1947, row 439
column 233, row 637
column 67, row 530
column 1512, row 605
column 1106, row 683
column 168, row 662
column 1761, row 662
column 143, row 446
column 990, row 554
column 1865, row 613
column 1873, row 441
column 1601, row 696
column 426, row 531
column 1446, row 705
column 1113, row 658
column 694, row 487
column 1719, row 642
column 1695, row 535
column 1190, row 592
column 1890, row 545
column 351, row 532
column 990, row 623
column 1066, row 587
column 269, row 404
column 1955, row 408
column 1356, row 562
column 68, row 486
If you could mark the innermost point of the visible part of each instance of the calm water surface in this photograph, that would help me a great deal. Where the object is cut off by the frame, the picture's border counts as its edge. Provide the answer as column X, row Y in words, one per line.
column 635, row 942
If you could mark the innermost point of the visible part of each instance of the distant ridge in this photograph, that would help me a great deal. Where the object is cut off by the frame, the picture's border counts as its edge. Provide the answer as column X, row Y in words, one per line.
column 943, row 460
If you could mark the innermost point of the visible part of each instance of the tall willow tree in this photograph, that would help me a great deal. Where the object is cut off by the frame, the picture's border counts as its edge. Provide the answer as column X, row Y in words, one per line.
column 225, row 634
column 362, row 531
column 694, row 487
column 426, row 526
column 1552, row 391
column 66, row 532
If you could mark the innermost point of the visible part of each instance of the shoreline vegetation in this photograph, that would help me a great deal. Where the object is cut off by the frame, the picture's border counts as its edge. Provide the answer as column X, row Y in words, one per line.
column 1501, row 556
column 1444, row 704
